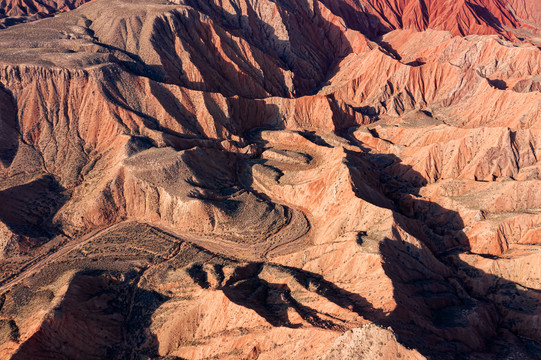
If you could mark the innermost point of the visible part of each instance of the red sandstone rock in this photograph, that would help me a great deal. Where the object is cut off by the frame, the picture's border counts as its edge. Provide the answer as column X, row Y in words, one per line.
column 271, row 180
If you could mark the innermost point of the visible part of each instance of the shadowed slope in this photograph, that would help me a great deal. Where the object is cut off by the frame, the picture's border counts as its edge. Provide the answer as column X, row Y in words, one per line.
column 271, row 180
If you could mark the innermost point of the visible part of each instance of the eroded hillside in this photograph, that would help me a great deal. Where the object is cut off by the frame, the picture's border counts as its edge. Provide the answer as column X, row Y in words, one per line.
column 295, row 179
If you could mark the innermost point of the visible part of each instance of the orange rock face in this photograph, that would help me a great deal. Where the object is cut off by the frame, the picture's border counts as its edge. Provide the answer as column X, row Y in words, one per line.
column 266, row 179
column 17, row 11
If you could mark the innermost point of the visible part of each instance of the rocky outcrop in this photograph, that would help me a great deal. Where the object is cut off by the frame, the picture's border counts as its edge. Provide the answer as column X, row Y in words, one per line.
column 13, row 12
column 270, row 180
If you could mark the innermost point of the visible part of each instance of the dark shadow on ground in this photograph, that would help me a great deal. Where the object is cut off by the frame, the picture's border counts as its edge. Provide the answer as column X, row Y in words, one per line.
column 135, row 65
column 273, row 301
column 446, row 308
column 311, row 51
column 103, row 315
column 9, row 134
column 28, row 209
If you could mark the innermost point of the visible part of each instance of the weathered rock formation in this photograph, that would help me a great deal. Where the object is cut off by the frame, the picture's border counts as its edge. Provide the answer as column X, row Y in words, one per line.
column 293, row 179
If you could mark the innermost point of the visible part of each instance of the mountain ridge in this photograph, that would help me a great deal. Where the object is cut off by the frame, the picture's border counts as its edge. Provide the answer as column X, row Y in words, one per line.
column 270, row 179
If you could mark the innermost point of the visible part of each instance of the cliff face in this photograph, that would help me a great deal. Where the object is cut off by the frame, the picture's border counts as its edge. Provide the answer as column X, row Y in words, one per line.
column 13, row 12
column 270, row 179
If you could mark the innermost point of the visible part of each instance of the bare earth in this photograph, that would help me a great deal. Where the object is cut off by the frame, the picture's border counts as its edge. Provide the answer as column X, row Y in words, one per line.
column 327, row 179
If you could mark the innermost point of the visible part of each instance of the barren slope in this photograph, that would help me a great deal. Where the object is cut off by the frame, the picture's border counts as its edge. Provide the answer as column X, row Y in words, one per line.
column 270, row 179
